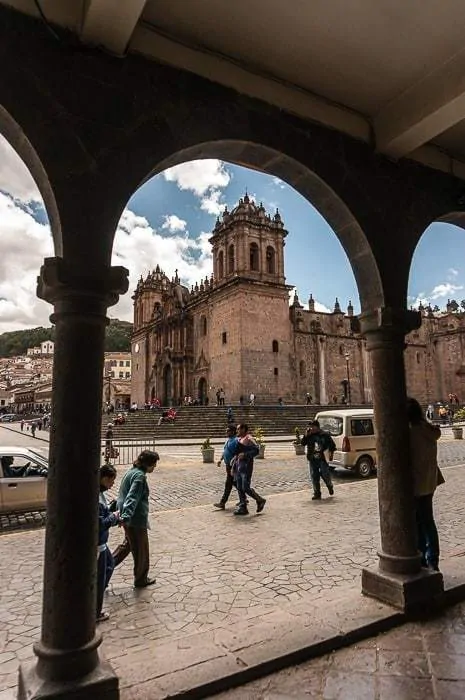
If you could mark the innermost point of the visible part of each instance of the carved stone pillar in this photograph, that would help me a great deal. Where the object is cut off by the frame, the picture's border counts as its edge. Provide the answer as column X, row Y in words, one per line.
column 400, row 580
column 67, row 653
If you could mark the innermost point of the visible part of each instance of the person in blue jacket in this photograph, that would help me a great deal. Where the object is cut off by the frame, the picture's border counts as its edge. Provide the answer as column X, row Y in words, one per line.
column 106, row 520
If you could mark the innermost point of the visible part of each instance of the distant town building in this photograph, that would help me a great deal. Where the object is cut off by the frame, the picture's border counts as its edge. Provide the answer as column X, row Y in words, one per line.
column 45, row 348
column 237, row 331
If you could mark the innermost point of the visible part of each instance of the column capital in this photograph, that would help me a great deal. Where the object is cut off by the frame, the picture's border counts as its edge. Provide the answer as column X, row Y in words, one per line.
column 74, row 289
column 386, row 323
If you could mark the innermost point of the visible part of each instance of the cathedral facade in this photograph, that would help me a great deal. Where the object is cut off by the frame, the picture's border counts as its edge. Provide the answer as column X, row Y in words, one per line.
column 237, row 331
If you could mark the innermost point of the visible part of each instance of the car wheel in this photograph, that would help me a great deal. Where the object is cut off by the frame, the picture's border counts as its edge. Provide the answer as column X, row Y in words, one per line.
column 365, row 467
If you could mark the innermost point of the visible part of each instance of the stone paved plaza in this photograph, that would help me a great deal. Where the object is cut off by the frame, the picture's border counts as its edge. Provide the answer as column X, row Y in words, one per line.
column 223, row 584
column 419, row 661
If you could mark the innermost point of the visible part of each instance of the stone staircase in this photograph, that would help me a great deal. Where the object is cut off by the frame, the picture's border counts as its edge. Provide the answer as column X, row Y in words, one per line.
column 201, row 422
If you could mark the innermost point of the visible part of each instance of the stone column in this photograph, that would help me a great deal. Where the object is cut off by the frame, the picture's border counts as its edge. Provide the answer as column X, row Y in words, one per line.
column 68, row 663
column 400, row 580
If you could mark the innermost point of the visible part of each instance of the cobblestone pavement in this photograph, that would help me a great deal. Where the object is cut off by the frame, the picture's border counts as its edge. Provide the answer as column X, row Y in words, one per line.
column 222, row 581
column 419, row 661
column 182, row 480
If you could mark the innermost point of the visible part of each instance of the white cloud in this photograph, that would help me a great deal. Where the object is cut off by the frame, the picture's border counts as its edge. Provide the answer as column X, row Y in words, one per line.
column 24, row 244
column 199, row 176
column 211, row 203
column 452, row 273
column 279, row 183
column 15, row 178
column 173, row 223
column 447, row 289
column 139, row 247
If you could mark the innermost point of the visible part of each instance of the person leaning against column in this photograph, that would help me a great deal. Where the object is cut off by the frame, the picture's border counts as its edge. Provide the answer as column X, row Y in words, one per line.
column 426, row 477
column 133, row 506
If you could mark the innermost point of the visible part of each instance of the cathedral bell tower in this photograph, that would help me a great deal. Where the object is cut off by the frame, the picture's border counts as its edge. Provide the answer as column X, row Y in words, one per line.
column 249, row 243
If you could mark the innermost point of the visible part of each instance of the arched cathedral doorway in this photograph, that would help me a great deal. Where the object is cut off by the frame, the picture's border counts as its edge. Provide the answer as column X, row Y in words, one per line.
column 167, row 386
column 202, row 391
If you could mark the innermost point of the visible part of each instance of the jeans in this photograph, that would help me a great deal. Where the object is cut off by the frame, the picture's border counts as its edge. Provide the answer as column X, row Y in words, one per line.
column 105, row 567
column 243, row 484
column 319, row 468
column 427, row 533
column 228, row 484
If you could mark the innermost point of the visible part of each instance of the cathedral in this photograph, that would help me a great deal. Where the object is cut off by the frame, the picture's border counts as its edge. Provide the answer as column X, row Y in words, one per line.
column 238, row 331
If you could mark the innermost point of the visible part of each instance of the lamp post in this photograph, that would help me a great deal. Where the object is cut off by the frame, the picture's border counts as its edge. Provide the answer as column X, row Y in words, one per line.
column 349, row 395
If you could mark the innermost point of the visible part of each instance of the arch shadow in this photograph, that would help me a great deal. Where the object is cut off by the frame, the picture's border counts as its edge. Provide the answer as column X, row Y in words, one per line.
column 329, row 204
column 16, row 137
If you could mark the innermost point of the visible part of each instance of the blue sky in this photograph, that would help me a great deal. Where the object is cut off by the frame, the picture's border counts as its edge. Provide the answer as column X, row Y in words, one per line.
column 168, row 222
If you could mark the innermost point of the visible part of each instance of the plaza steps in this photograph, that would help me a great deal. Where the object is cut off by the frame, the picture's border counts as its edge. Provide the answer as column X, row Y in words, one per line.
column 201, row 422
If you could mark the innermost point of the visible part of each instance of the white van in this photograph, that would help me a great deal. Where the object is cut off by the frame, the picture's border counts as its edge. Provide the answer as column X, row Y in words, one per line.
column 353, row 431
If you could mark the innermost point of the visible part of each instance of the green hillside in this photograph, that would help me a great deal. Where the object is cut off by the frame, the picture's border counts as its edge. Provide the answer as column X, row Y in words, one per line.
column 117, row 338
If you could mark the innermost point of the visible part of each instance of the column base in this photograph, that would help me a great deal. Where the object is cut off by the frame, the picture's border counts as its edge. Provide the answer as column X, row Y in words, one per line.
column 411, row 593
column 99, row 684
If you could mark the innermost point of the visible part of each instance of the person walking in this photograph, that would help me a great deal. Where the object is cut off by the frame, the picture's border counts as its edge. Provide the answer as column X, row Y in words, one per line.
column 317, row 442
column 33, row 429
column 133, row 506
column 106, row 520
column 426, row 477
column 230, row 449
column 243, row 470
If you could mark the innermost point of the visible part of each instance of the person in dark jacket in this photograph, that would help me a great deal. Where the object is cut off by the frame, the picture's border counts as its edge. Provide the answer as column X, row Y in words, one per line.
column 106, row 519
column 133, row 505
column 318, row 442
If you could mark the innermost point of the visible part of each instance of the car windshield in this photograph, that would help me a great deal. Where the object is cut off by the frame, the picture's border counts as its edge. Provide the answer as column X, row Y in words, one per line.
column 331, row 424
column 39, row 457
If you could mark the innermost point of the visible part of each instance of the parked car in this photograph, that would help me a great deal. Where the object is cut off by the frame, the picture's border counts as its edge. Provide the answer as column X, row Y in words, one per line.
column 353, row 431
column 8, row 417
column 23, row 480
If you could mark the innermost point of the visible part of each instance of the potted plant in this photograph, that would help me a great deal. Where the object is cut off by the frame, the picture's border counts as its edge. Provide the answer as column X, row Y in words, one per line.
column 298, row 447
column 260, row 440
column 208, row 451
column 457, row 431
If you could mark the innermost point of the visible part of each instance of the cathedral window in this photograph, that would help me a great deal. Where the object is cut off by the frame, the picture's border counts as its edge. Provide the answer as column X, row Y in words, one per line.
column 231, row 261
column 270, row 260
column 203, row 325
column 275, row 372
column 224, row 337
column 220, row 264
column 254, row 259
column 275, row 346
column 302, row 368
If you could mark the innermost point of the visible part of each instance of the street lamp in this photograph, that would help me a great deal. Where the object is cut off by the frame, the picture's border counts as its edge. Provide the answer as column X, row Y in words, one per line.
column 349, row 396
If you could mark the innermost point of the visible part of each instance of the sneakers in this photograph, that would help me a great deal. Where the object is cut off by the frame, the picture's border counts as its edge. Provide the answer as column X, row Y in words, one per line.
column 103, row 617
column 241, row 511
column 316, row 497
column 260, row 505
column 220, row 505
column 331, row 490
column 144, row 584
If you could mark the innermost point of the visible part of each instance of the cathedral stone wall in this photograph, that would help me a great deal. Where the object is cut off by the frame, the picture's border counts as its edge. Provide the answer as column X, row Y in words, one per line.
column 238, row 331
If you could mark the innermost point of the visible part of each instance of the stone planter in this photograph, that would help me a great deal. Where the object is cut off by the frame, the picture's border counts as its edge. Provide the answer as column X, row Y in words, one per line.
column 261, row 453
column 457, row 433
column 208, row 455
column 299, row 449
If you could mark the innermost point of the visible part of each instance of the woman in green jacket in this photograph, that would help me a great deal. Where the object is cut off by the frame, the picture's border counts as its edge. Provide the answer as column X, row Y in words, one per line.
column 133, row 506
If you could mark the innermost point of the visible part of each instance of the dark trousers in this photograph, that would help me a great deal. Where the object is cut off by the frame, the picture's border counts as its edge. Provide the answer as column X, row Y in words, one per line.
column 228, row 484
column 319, row 468
column 136, row 541
column 427, row 533
column 243, row 483
column 105, row 567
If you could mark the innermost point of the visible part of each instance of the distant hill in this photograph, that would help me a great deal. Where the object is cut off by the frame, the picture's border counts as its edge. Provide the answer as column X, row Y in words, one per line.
column 117, row 338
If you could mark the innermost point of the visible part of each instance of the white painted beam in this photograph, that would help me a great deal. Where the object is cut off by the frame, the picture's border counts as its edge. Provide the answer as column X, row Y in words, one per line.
column 110, row 23
column 423, row 111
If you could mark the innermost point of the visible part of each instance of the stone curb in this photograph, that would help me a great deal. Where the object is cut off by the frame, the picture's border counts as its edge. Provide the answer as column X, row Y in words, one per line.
column 22, row 432
column 219, row 680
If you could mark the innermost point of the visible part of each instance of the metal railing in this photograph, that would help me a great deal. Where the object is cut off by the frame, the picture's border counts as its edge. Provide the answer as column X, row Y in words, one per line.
column 125, row 452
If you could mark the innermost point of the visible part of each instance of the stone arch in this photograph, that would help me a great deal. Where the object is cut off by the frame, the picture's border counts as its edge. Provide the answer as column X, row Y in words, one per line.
column 270, row 260
column 202, row 391
column 254, row 256
column 18, row 140
column 310, row 185
column 231, row 259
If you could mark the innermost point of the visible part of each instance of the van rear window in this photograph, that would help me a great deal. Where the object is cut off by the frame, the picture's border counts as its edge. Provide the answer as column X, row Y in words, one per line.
column 331, row 424
column 361, row 426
